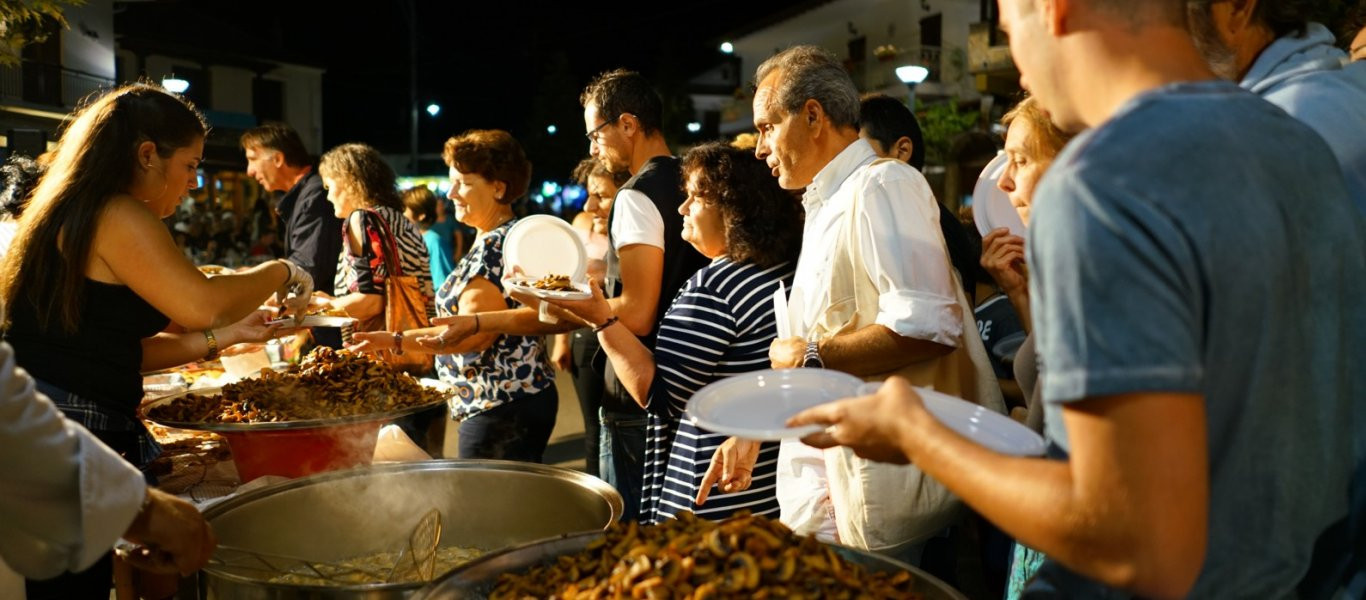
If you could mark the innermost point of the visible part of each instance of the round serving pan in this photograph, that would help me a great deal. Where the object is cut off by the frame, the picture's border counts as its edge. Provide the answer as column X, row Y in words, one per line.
column 476, row 578
column 281, row 425
column 487, row 504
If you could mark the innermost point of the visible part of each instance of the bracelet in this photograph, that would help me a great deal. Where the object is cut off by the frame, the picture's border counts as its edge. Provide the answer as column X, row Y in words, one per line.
column 398, row 343
column 476, row 324
column 213, row 344
column 606, row 324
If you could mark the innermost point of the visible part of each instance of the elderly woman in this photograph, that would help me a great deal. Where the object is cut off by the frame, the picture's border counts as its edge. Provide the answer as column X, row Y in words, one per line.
column 1032, row 141
column 506, row 400
column 720, row 324
column 93, row 277
column 364, row 191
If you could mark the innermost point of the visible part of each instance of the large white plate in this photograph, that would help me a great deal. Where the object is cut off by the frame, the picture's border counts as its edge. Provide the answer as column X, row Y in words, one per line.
column 522, row 284
column 541, row 245
column 991, row 208
column 757, row 406
column 982, row 425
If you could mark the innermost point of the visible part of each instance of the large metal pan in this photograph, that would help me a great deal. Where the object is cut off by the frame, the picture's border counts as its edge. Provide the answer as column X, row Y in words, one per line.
column 476, row 578
column 485, row 504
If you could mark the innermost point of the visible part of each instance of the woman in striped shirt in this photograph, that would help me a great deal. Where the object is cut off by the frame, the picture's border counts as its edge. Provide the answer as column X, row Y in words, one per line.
column 720, row 324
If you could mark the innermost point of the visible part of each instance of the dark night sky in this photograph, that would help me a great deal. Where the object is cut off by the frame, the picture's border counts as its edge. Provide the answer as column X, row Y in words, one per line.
column 511, row 65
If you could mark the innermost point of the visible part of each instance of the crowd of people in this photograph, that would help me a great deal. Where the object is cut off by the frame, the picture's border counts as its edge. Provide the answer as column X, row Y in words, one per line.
column 1191, row 173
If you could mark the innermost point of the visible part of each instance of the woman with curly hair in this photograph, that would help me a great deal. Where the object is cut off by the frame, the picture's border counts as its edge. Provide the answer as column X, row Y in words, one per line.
column 720, row 324
column 505, row 400
column 364, row 191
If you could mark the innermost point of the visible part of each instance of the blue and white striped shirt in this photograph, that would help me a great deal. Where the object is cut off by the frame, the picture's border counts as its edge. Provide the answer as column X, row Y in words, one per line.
column 720, row 324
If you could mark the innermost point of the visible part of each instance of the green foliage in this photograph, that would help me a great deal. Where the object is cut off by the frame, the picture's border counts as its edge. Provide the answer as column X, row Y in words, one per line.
column 940, row 123
column 24, row 22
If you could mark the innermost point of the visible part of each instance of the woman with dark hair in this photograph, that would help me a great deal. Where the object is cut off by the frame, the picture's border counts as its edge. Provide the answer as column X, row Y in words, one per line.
column 720, row 324
column 93, row 277
column 422, row 207
column 364, row 191
column 506, row 401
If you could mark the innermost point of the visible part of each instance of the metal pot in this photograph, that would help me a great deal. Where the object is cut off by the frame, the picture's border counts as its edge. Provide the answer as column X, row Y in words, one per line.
column 475, row 579
column 487, row 504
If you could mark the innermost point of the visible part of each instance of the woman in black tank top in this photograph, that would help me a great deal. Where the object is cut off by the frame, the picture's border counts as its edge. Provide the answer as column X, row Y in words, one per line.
column 93, row 276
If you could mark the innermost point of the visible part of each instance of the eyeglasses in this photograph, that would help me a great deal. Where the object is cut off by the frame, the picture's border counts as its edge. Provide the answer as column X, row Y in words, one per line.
column 593, row 136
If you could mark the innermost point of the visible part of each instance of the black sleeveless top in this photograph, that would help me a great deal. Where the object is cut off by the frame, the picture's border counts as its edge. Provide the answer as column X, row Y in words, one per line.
column 102, row 360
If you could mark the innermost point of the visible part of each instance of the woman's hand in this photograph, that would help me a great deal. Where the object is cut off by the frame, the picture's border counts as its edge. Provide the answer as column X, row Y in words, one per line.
column 458, row 329
column 372, row 341
column 1004, row 258
column 732, row 467
column 297, row 290
column 591, row 312
column 255, row 327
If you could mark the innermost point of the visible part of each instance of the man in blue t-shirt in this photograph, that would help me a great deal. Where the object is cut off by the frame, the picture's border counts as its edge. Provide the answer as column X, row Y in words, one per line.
column 1195, row 267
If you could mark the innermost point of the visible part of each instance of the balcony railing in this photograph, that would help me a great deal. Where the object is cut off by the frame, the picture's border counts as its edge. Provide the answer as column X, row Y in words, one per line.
column 47, row 84
column 879, row 71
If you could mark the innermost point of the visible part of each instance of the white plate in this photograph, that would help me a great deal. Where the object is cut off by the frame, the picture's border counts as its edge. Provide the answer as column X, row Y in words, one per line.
column 982, row 425
column 522, row 284
column 756, row 406
column 541, row 245
column 991, row 208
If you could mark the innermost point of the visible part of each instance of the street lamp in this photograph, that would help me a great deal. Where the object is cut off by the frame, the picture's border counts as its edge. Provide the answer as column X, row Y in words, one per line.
column 912, row 75
column 433, row 109
column 551, row 129
column 694, row 127
column 174, row 84
column 728, row 47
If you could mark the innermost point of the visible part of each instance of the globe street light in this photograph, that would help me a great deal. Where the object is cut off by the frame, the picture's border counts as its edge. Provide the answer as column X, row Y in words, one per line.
column 174, row 84
column 433, row 109
column 912, row 75
column 728, row 47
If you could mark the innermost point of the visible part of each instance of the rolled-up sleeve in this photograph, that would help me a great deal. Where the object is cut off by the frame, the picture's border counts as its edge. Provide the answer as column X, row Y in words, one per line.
column 65, row 497
column 904, row 253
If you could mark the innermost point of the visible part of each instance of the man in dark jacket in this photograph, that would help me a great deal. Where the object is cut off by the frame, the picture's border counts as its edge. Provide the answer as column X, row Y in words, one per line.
column 312, row 231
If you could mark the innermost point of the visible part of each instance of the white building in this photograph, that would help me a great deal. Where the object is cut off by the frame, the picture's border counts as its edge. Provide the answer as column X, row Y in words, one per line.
column 872, row 36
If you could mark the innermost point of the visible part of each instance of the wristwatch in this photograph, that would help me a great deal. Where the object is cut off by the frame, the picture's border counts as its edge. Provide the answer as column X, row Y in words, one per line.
column 812, row 357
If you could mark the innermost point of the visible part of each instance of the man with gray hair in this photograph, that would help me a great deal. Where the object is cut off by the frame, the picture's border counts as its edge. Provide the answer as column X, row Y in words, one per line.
column 874, row 296
column 1271, row 48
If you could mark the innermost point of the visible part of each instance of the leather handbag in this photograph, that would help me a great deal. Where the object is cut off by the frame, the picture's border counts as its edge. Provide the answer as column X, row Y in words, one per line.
column 405, row 305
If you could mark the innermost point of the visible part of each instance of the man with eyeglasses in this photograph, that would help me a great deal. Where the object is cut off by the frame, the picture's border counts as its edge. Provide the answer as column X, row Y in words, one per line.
column 647, row 261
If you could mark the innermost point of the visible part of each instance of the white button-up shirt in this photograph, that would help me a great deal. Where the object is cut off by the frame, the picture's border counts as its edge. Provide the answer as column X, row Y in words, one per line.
column 65, row 497
column 904, row 252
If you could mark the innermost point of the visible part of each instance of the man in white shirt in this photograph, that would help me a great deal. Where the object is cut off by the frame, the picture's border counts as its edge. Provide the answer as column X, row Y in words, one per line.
column 65, row 497
column 912, row 314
